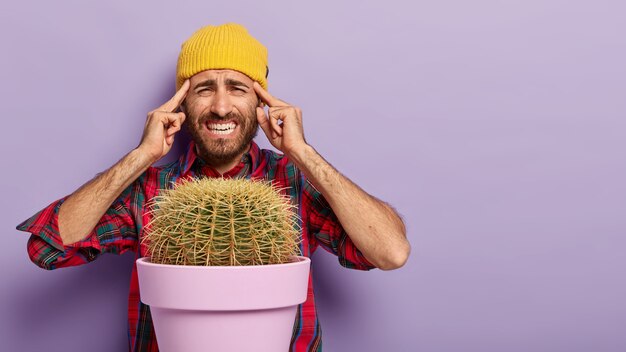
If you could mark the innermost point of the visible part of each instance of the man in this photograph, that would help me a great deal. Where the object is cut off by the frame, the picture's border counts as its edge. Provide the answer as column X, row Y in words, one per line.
column 221, row 90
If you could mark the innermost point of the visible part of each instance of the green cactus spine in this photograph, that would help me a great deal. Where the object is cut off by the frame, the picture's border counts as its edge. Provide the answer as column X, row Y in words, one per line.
column 222, row 222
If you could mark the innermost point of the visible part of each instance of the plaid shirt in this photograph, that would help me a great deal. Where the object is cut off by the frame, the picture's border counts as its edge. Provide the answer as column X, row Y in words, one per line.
column 121, row 226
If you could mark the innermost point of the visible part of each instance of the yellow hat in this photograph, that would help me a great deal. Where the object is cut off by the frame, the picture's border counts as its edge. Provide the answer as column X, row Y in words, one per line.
column 228, row 46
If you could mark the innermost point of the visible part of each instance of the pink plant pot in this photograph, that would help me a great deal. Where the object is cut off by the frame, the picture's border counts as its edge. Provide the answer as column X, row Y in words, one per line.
column 223, row 308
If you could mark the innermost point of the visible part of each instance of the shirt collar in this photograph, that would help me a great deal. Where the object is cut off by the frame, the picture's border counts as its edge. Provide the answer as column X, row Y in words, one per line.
column 250, row 158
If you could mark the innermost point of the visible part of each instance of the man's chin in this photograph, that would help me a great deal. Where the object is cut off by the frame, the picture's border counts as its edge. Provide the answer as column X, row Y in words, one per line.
column 220, row 149
column 223, row 145
column 223, row 150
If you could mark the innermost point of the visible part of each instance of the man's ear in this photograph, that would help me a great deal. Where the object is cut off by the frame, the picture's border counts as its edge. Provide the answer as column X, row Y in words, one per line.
column 182, row 107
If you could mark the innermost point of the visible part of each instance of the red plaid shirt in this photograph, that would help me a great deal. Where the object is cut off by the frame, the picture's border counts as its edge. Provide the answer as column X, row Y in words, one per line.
column 121, row 226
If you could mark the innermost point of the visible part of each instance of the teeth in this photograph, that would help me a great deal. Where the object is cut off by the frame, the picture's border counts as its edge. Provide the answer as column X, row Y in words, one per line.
column 222, row 128
column 222, row 132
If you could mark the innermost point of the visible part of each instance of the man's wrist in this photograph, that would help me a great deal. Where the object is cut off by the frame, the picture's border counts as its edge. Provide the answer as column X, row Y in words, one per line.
column 143, row 158
column 301, row 154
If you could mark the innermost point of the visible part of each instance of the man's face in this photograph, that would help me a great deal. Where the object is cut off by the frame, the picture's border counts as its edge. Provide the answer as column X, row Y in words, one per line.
column 221, row 114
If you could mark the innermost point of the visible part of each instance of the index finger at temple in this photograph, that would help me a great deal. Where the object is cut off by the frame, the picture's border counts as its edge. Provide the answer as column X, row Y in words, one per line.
column 173, row 104
column 266, row 97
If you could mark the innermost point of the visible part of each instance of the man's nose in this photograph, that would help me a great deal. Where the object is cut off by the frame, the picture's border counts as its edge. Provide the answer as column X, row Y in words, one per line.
column 221, row 104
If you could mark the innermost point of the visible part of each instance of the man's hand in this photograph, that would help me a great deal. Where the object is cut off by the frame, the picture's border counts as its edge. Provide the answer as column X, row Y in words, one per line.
column 84, row 208
column 287, row 135
column 374, row 227
column 161, row 126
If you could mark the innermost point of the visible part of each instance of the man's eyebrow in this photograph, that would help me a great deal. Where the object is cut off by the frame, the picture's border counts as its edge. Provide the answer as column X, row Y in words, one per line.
column 206, row 83
column 234, row 82
column 213, row 83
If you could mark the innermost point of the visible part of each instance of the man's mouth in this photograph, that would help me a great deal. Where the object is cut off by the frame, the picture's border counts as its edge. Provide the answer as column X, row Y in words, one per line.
column 221, row 128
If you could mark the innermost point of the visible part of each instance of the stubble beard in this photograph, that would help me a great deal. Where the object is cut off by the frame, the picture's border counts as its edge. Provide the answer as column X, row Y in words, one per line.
column 220, row 151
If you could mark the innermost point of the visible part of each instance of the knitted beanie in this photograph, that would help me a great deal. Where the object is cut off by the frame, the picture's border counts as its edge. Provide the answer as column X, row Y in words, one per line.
column 227, row 46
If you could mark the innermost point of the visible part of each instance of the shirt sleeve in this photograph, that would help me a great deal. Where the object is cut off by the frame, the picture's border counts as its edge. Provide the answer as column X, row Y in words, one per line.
column 327, row 230
column 114, row 233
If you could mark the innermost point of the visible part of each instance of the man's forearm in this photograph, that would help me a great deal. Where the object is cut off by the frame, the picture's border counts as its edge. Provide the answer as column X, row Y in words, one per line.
column 373, row 226
column 82, row 210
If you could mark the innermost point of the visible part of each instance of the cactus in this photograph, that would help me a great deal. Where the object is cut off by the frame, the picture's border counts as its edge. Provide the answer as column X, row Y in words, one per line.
column 214, row 221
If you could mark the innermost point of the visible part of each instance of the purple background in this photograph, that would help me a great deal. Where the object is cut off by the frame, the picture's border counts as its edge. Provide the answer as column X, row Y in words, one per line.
column 496, row 128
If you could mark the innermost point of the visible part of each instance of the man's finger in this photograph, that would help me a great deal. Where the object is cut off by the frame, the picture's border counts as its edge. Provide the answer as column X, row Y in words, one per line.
column 264, row 123
column 274, row 117
column 266, row 97
column 173, row 104
column 181, row 118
